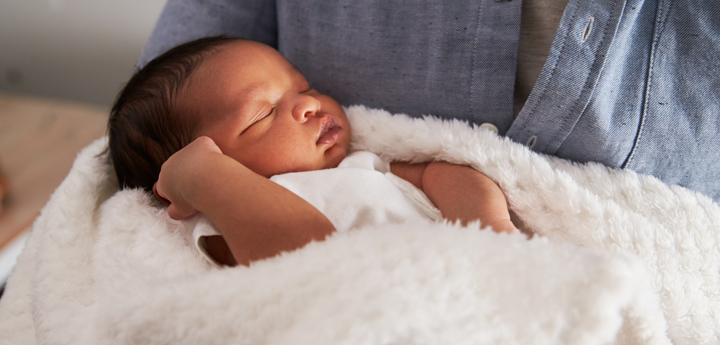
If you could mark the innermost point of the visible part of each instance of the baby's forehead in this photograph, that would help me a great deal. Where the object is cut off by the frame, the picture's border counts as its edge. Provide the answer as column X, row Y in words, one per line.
column 259, row 50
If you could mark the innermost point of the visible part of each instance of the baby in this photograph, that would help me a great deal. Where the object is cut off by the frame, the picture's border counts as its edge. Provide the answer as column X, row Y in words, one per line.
column 207, row 124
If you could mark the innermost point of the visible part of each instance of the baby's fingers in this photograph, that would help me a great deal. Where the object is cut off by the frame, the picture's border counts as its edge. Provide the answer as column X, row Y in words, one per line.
column 179, row 214
column 158, row 196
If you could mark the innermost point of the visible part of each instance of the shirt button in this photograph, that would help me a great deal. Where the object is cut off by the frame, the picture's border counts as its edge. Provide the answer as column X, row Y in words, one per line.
column 490, row 127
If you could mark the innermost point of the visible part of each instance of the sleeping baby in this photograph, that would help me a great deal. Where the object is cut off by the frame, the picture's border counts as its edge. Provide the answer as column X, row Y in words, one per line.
column 229, row 128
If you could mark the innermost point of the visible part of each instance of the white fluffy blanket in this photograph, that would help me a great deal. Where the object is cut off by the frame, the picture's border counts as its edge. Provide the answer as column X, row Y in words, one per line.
column 621, row 258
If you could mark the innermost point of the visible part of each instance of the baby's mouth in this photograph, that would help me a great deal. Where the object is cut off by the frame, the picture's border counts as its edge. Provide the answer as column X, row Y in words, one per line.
column 329, row 133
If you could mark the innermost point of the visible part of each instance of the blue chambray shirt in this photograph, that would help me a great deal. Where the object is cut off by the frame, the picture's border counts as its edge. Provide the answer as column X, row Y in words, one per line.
column 628, row 83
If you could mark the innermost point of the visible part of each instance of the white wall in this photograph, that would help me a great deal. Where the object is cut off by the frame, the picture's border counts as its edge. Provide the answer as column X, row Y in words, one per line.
column 81, row 50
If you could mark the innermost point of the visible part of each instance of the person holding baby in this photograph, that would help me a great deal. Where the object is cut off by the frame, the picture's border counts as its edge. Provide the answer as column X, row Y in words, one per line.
column 623, row 83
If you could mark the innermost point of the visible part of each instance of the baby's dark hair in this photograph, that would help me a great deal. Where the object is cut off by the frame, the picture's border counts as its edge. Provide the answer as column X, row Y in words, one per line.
column 146, row 125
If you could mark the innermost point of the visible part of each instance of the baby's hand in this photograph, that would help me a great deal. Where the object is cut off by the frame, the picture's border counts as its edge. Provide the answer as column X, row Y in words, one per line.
column 178, row 173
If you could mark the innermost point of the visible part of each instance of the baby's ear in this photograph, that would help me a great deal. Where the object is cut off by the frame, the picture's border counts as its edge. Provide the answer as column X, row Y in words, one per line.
column 165, row 202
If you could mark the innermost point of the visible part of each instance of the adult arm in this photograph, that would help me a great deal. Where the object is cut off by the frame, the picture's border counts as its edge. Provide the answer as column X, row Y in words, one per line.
column 460, row 192
column 257, row 218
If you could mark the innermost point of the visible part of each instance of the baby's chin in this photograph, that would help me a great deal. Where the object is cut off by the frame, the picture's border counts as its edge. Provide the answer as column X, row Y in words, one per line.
column 328, row 163
column 334, row 156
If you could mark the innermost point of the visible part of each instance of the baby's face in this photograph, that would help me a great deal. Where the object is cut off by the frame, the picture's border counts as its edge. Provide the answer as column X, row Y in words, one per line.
column 260, row 110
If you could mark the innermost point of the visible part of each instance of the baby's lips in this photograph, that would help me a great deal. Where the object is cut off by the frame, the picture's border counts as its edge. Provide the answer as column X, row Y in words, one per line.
column 329, row 130
column 165, row 202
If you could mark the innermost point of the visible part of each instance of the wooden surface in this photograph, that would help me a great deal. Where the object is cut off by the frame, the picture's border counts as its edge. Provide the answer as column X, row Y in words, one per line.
column 39, row 140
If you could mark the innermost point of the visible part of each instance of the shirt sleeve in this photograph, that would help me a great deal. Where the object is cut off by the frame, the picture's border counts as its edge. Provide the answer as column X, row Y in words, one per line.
column 201, row 229
column 185, row 20
column 369, row 160
column 418, row 197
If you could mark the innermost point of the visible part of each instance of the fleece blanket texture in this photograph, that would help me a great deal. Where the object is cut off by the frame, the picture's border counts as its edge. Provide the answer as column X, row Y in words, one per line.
column 618, row 258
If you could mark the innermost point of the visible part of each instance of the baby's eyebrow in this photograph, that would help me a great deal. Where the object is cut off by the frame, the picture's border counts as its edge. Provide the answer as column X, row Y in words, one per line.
column 295, row 68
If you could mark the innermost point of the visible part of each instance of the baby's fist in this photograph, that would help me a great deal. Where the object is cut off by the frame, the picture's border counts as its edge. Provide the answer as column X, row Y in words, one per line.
column 176, row 176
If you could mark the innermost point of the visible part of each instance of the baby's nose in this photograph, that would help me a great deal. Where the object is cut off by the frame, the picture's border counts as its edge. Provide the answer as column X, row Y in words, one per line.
column 306, row 106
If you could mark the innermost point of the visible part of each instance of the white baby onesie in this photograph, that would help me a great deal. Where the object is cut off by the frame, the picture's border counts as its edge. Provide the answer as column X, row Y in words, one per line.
column 360, row 192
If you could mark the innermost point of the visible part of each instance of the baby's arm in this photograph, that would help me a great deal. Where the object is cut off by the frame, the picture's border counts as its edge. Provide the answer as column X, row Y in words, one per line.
column 257, row 217
column 460, row 192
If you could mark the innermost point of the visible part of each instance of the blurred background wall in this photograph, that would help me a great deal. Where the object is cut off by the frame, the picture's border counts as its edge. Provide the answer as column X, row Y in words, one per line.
column 72, row 57
column 78, row 50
